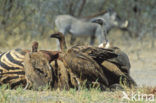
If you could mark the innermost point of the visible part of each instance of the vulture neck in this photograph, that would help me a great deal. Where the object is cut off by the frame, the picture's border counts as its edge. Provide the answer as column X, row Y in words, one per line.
column 63, row 44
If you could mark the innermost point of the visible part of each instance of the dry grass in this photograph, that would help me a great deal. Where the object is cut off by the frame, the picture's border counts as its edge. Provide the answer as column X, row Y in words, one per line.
column 143, row 69
column 72, row 96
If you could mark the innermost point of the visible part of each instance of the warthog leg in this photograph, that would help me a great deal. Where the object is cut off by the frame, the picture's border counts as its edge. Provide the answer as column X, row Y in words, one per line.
column 72, row 40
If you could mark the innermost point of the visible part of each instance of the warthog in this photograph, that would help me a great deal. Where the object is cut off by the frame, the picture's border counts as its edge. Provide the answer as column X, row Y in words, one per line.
column 68, row 24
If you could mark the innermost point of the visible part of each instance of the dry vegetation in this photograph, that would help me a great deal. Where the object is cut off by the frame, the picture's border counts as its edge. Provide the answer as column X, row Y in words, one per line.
column 72, row 96
column 23, row 21
column 142, row 57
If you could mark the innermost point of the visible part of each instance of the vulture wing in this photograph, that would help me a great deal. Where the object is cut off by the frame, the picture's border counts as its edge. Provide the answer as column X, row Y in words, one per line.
column 84, row 66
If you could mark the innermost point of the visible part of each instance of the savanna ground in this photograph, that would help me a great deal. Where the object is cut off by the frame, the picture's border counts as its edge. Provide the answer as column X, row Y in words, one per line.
column 143, row 69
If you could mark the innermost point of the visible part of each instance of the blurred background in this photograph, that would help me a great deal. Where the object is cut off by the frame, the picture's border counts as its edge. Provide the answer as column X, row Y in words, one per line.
column 23, row 21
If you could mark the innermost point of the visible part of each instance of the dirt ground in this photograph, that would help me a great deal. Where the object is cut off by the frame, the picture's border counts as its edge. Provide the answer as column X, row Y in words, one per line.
column 143, row 66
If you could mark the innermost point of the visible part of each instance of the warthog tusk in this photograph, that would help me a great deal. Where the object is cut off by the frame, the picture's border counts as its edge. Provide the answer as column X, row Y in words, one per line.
column 125, row 24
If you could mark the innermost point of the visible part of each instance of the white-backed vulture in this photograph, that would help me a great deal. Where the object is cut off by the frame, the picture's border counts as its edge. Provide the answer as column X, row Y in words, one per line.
column 38, row 71
column 82, row 65
column 85, row 60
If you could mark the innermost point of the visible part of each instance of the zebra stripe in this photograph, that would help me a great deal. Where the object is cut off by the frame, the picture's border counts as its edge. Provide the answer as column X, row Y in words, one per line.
column 20, row 53
column 19, row 73
column 5, row 80
column 11, row 67
column 7, row 66
column 6, row 62
column 2, row 54
column 16, row 55
column 13, row 60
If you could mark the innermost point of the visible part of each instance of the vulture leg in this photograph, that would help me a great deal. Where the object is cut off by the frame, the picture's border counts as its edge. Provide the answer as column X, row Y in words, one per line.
column 26, row 87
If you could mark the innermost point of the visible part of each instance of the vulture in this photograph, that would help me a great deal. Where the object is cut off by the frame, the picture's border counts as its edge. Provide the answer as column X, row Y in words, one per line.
column 38, row 71
column 80, row 64
column 121, row 61
column 11, row 64
column 109, row 65
column 115, row 63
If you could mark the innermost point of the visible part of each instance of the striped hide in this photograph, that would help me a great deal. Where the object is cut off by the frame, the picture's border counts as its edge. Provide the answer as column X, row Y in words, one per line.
column 11, row 68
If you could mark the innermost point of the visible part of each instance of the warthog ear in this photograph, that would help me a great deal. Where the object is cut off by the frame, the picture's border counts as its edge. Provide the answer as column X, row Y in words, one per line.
column 110, row 10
